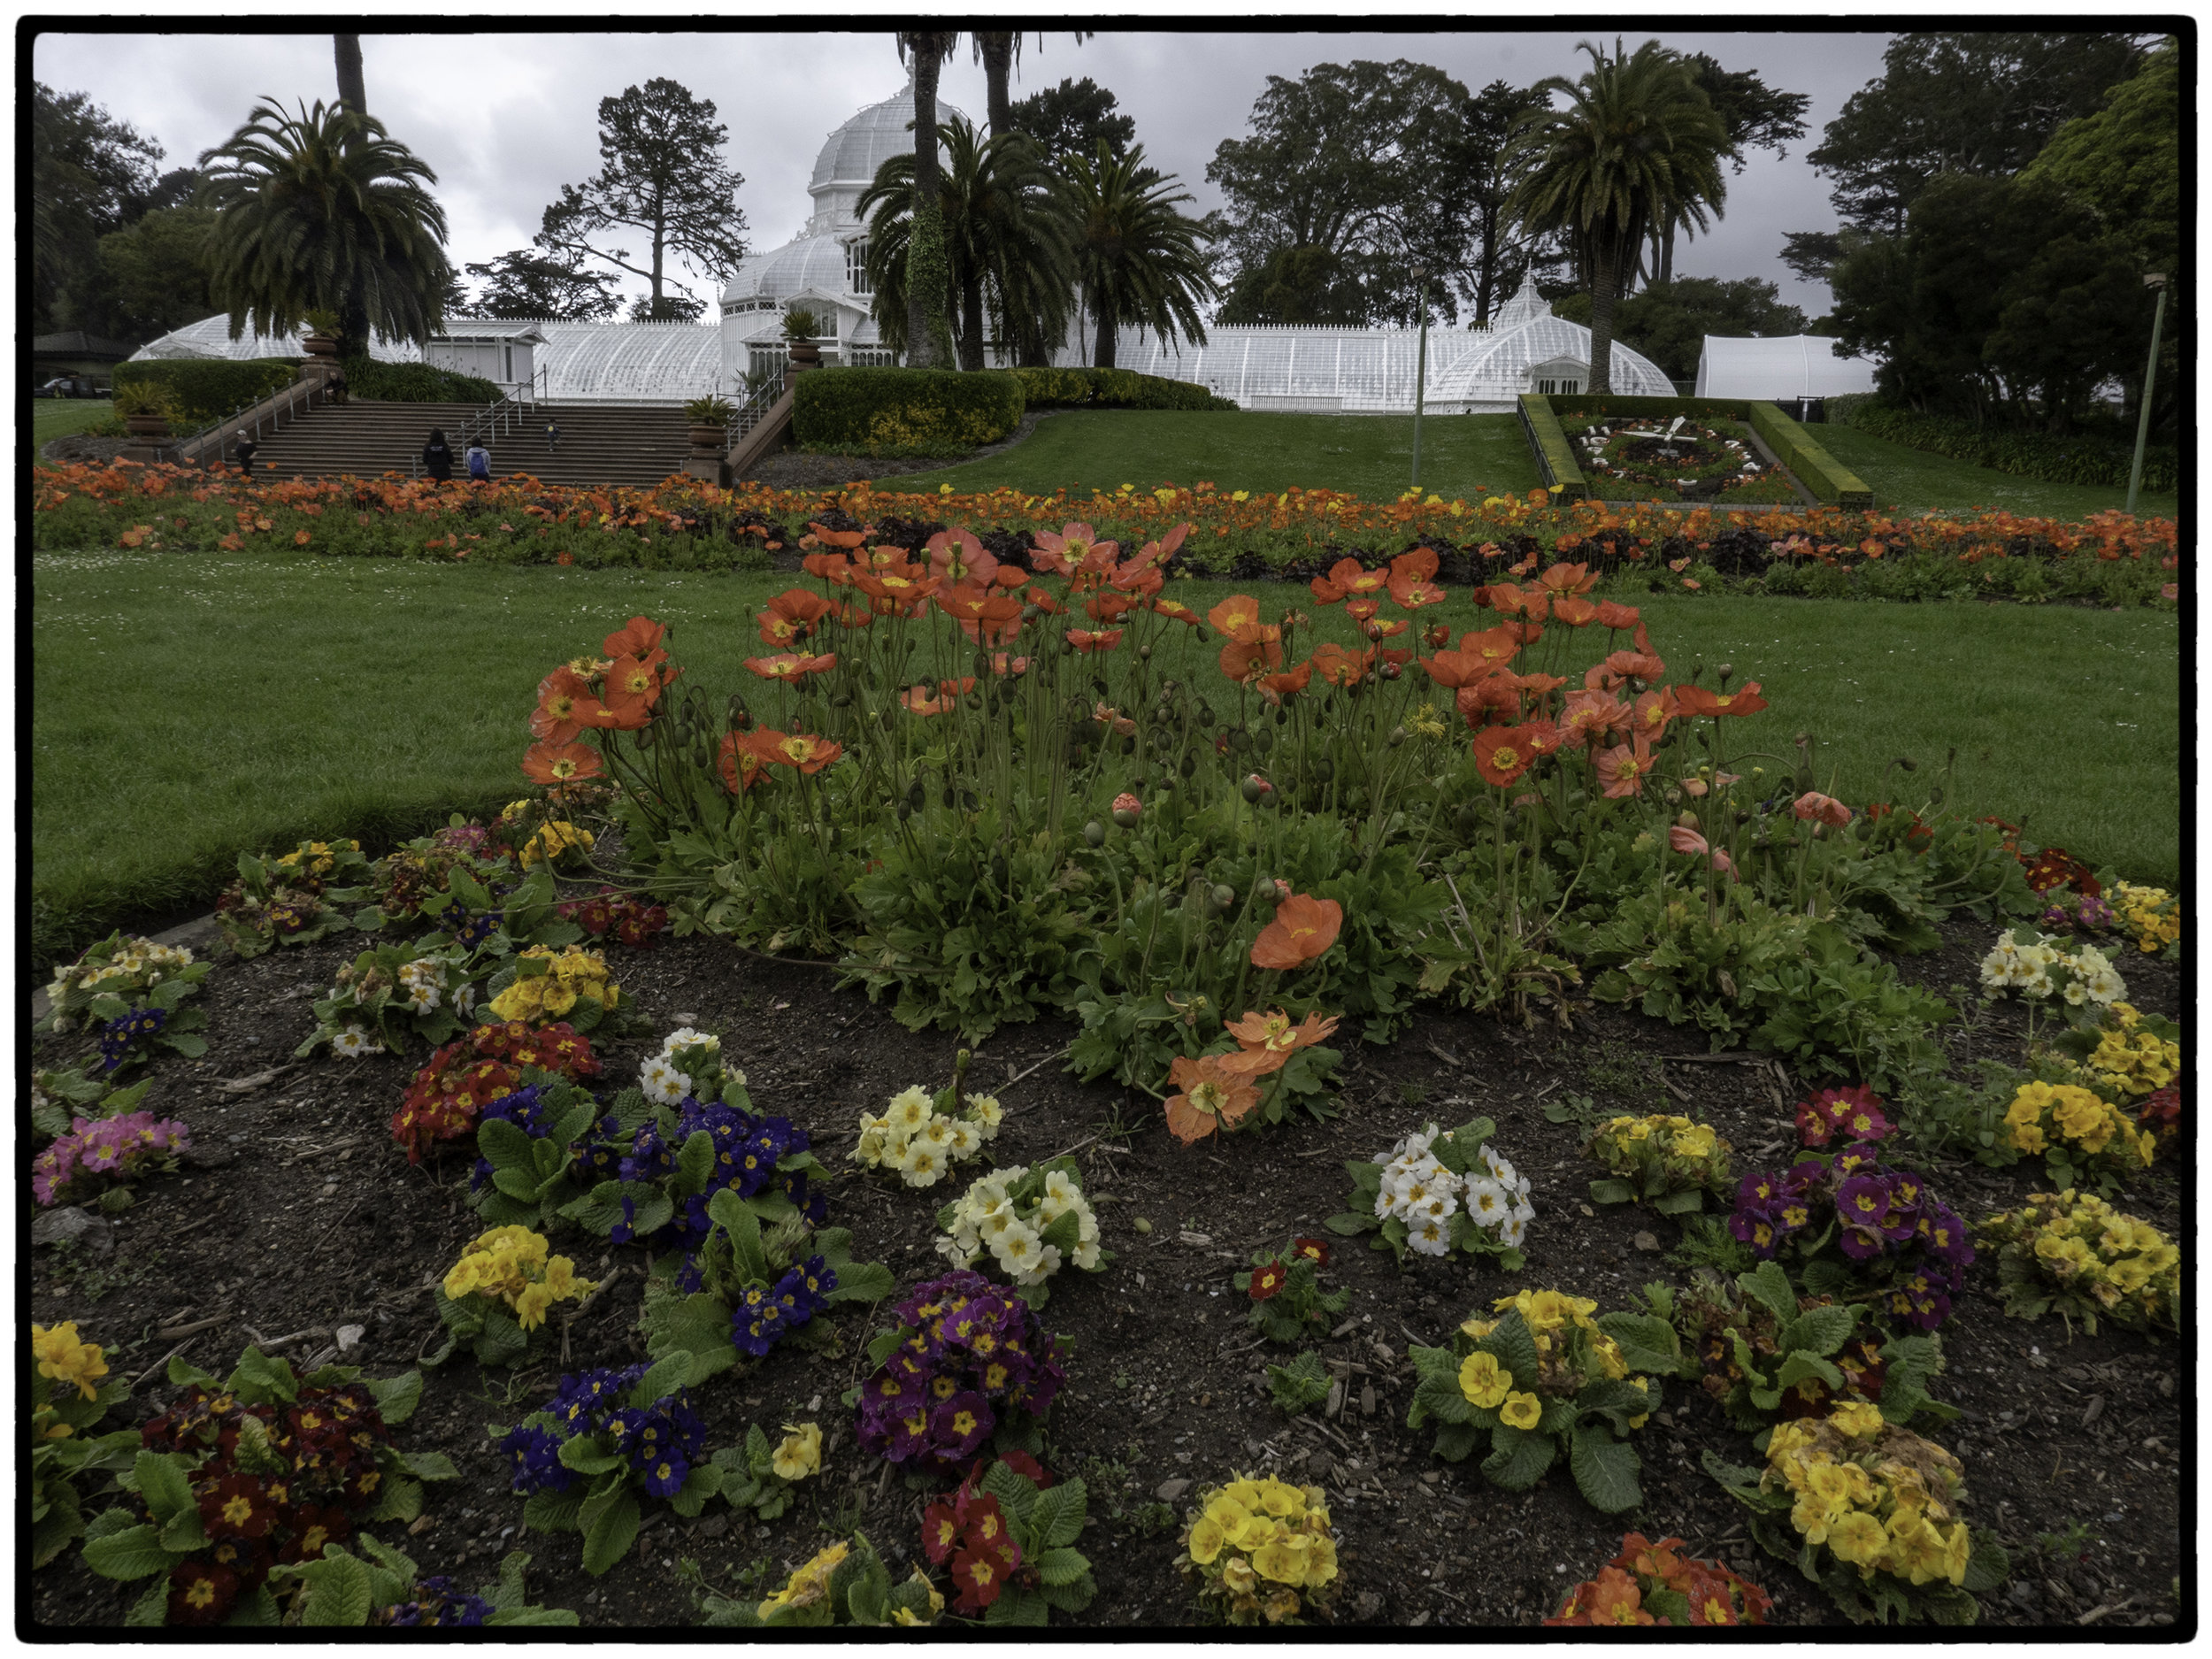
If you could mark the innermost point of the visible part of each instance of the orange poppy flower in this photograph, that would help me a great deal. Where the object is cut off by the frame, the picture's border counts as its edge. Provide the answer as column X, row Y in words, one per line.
column 1207, row 1097
column 1339, row 667
column 1361, row 610
column 1059, row 555
column 1237, row 617
column 810, row 754
column 834, row 568
column 790, row 665
column 1637, row 665
column 740, row 768
column 1175, row 610
column 1002, row 665
column 1454, row 669
column 1275, row 687
column 1617, row 617
column 639, row 638
column 1826, row 808
column 631, row 689
column 1381, row 630
column 1688, row 841
column 1108, row 607
column 1575, row 612
column 1276, row 1034
column 1622, row 770
column 1252, row 1062
column 1414, row 564
column 1501, row 755
column 1526, row 632
column 1560, row 579
column 1695, row 699
column 1493, row 696
column 922, row 701
column 560, row 763
column 1086, row 642
column 1496, row 647
column 1507, row 599
column 1304, row 928
column 899, row 587
column 1590, row 715
column 1410, row 594
column 791, row 615
column 1241, row 659
column 1139, row 578
column 565, row 707
column 839, row 538
column 1542, row 738
column 957, row 556
column 1653, row 710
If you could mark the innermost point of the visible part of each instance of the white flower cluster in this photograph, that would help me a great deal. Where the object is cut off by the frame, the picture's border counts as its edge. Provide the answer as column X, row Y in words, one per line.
column 921, row 1142
column 1418, row 1190
column 137, row 959
column 426, row 982
column 2051, row 962
column 688, row 1061
column 987, row 1216
column 353, row 1041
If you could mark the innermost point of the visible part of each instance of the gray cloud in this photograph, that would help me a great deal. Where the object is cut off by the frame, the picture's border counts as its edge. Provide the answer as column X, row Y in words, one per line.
column 506, row 119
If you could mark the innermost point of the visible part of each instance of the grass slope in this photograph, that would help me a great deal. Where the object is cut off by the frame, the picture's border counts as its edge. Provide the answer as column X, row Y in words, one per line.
column 188, row 708
column 1913, row 480
column 1371, row 455
column 54, row 418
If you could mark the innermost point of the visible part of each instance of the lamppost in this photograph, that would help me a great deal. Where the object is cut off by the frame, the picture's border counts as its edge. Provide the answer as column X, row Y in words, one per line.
column 2151, row 280
column 1421, row 369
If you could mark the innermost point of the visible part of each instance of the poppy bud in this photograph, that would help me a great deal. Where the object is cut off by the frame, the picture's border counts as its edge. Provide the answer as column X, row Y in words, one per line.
column 1254, row 787
column 906, row 811
column 1397, row 735
column 1144, row 653
column 1935, row 797
column 1688, row 820
column 1324, row 770
column 1224, row 897
column 1726, row 670
column 1126, row 810
column 1095, row 832
column 1909, row 765
column 1468, row 817
column 1438, row 636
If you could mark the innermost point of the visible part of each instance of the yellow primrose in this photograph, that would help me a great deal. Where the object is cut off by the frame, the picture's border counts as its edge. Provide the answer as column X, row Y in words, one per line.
column 1521, row 1411
column 801, row 1453
column 1206, row 1540
column 1483, row 1380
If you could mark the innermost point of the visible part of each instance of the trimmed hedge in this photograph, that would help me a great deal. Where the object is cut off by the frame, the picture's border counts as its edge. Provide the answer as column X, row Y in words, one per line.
column 1555, row 455
column 207, row 388
column 1828, row 480
column 414, row 383
column 903, row 412
column 1113, row 388
column 2082, row 459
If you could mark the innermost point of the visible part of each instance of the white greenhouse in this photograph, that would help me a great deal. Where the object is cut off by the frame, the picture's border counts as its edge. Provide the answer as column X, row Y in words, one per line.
column 1320, row 370
column 1788, row 365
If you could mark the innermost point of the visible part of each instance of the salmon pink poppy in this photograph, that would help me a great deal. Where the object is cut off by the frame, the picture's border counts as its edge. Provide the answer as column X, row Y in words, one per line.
column 1575, row 612
column 1509, row 600
column 834, row 568
column 1496, row 647
column 560, row 763
column 1060, row 554
column 1303, row 929
column 1454, row 669
column 1243, row 658
column 1683, row 840
column 1636, row 666
column 810, row 754
column 740, row 768
column 640, row 637
column 1139, row 578
column 1108, row 607
column 1175, row 610
column 1617, row 617
column 1501, row 755
column 957, row 556
column 1342, row 668
column 1560, row 579
column 1416, row 564
column 1695, row 699
column 1653, row 710
column 1275, row 687
column 1623, row 769
column 1207, row 1097
column 1826, row 808
column 1238, row 618
column 1542, row 738
column 839, row 538
column 1276, row 1033
column 1001, row 663
column 1590, row 715
column 565, row 707
column 791, row 615
column 1347, row 579
column 790, row 665
column 1087, row 642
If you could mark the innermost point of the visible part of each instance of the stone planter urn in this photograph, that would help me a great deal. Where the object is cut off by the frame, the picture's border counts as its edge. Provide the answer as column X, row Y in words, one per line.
column 148, row 429
column 320, row 346
column 805, row 355
column 710, row 440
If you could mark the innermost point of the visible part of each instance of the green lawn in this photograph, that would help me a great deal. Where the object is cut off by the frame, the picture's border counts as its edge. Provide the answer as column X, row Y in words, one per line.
column 1371, row 455
column 54, row 418
column 1921, row 482
column 186, row 708
column 1465, row 456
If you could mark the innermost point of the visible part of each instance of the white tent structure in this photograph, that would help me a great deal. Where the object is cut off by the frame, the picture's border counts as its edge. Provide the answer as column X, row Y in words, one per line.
column 1788, row 365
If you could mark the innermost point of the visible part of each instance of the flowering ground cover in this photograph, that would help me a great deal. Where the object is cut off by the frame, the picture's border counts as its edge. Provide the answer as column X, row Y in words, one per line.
column 293, row 1182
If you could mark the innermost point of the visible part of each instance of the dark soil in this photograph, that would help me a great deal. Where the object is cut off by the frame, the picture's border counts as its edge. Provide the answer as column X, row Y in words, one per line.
column 803, row 469
column 296, row 1214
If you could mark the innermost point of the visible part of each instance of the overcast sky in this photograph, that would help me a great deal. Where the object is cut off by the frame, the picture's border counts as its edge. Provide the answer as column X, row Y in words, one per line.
column 506, row 119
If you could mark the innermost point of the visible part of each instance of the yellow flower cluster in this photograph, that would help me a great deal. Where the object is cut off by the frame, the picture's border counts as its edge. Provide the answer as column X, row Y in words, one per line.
column 1263, row 1548
column 919, row 1142
column 510, row 1264
column 1553, row 1317
column 312, row 858
column 135, row 958
column 574, row 973
column 2152, row 916
column 64, row 1359
column 1882, row 1498
column 1626, row 1138
column 2042, row 1113
column 2132, row 1057
column 555, row 841
column 810, row 1583
column 2125, row 1267
column 801, row 1453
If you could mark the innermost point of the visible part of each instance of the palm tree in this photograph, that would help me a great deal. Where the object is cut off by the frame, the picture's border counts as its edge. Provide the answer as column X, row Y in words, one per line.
column 928, row 339
column 1006, row 240
column 1637, row 148
column 1138, row 258
column 323, row 211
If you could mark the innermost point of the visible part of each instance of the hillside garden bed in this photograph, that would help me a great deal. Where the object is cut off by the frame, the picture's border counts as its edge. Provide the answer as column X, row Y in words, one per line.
column 1195, row 966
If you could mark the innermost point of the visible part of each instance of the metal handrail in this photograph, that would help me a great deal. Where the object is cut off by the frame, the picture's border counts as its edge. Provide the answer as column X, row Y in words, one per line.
column 755, row 409
column 192, row 449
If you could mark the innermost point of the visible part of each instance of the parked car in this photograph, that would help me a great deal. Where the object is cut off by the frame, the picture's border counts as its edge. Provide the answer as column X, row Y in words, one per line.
column 71, row 386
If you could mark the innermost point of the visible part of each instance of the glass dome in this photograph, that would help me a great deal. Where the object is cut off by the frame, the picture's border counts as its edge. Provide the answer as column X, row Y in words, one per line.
column 847, row 163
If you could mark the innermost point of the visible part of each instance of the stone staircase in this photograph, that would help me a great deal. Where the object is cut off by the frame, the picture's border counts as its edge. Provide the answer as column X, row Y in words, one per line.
column 601, row 443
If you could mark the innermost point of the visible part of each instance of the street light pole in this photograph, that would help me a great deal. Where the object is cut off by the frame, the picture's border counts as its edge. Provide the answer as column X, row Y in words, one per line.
column 1421, row 370
column 2157, row 280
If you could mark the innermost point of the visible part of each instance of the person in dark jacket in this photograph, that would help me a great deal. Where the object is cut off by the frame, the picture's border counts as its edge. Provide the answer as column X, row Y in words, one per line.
column 437, row 456
column 479, row 460
column 244, row 450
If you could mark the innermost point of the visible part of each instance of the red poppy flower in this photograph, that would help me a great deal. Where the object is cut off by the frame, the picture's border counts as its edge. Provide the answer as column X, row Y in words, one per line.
column 834, row 568
column 1303, row 929
column 1267, row 1280
column 1696, row 700
column 1617, row 617
column 1342, row 668
column 1501, row 755
column 1414, row 565
column 1623, row 769
column 1087, row 642
column 790, row 665
column 1238, row 618
column 1275, row 687
column 1575, row 611
column 560, row 763
column 740, row 768
column 565, row 707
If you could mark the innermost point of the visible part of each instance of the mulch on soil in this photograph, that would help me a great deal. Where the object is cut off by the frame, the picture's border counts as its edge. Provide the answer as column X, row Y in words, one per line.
column 296, row 1214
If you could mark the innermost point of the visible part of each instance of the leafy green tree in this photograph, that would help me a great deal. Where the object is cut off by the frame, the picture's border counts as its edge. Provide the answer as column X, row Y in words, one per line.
column 91, row 176
column 1638, row 143
column 1138, row 258
column 1006, row 240
column 1497, row 252
column 2006, row 300
column 527, row 283
column 1982, row 103
column 1297, row 285
column 323, row 209
column 154, row 273
column 1072, row 117
column 1754, row 116
column 660, row 174
column 929, row 274
column 1668, row 321
column 1355, row 161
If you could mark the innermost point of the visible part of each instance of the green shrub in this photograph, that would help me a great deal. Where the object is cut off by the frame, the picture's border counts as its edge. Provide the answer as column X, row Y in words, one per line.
column 202, row 390
column 414, row 383
column 2082, row 458
column 1555, row 455
column 1831, row 481
column 903, row 412
column 1112, row 388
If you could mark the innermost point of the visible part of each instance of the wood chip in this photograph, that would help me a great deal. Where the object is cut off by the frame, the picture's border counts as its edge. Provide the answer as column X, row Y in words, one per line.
column 248, row 1085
